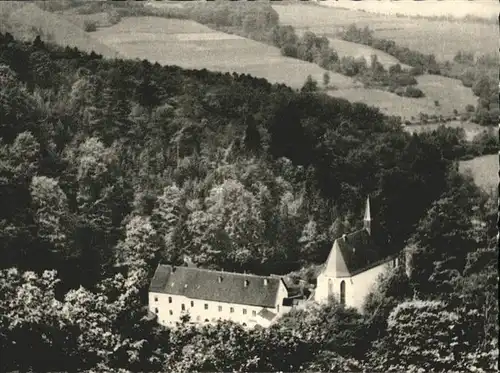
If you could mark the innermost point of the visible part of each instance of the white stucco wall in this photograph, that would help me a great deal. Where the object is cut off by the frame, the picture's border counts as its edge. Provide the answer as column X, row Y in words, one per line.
column 357, row 287
column 282, row 293
column 169, row 312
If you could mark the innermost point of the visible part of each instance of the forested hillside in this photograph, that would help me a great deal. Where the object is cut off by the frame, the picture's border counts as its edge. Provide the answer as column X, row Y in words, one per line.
column 109, row 166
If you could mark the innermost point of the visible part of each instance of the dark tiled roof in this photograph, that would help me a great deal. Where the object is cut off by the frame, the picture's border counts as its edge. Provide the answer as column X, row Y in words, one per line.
column 354, row 253
column 266, row 314
column 197, row 283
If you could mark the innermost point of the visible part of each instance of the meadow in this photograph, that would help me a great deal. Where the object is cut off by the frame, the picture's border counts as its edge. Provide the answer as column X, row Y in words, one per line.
column 448, row 94
column 348, row 49
column 456, row 9
column 441, row 38
column 191, row 45
column 101, row 19
column 28, row 21
column 484, row 170
column 388, row 103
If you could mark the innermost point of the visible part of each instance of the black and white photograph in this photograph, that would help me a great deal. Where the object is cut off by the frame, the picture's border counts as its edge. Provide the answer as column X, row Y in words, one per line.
column 249, row 186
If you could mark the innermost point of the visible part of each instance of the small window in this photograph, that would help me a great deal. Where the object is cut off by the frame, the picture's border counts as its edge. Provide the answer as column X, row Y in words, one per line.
column 169, row 299
column 170, row 313
column 198, row 318
column 156, row 310
column 206, row 320
column 342, row 292
column 183, row 307
column 254, row 313
column 206, row 306
column 244, row 311
column 231, row 309
column 156, row 299
column 192, row 304
column 220, row 308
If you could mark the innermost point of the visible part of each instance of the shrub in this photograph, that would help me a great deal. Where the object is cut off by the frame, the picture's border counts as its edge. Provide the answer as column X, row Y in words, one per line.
column 89, row 26
column 417, row 70
column 470, row 108
column 114, row 17
column 413, row 92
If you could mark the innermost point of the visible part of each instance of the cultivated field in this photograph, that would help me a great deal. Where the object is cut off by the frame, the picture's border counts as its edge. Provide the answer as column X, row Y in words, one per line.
column 484, row 170
column 486, row 9
column 346, row 49
column 442, row 38
column 29, row 20
column 192, row 45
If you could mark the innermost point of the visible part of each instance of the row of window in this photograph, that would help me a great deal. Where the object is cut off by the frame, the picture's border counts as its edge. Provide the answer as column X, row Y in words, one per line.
column 183, row 307
column 231, row 310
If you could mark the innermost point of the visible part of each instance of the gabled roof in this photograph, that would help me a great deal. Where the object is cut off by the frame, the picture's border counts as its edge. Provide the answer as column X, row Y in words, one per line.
column 351, row 254
column 227, row 287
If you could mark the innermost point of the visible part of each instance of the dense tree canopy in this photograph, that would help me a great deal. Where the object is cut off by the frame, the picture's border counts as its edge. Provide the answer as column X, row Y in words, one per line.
column 110, row 166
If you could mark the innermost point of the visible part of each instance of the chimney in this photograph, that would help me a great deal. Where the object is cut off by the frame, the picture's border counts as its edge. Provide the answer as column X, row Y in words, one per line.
column 246, row 282
column 188, row 262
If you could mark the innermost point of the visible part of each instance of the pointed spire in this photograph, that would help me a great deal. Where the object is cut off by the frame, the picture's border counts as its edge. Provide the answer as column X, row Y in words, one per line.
column 367, row 221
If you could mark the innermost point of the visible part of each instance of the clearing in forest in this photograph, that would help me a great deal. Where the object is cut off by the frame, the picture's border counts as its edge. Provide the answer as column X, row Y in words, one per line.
column 471, row 129
column 484, row 170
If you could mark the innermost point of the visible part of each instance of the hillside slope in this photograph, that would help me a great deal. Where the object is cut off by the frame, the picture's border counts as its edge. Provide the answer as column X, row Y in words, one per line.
column 29, row 21
column 441, row 38
column 189, row 44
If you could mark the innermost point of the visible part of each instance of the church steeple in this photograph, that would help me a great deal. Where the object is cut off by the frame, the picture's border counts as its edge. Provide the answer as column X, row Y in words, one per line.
column 367, row 221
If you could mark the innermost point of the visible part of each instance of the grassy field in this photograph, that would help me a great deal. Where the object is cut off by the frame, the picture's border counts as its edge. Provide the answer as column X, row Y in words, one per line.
column 192, row 45
column 486, row 9
column 346, row 48
column 387, row 102
column 450, row 94
column 484, row 170
column 99, row 19
column 471, row 129
column 29, row 20
column 442, row 38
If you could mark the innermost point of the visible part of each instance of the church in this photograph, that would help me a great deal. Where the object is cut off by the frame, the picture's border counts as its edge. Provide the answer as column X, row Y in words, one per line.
column 353, row 267
column 206, row 296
